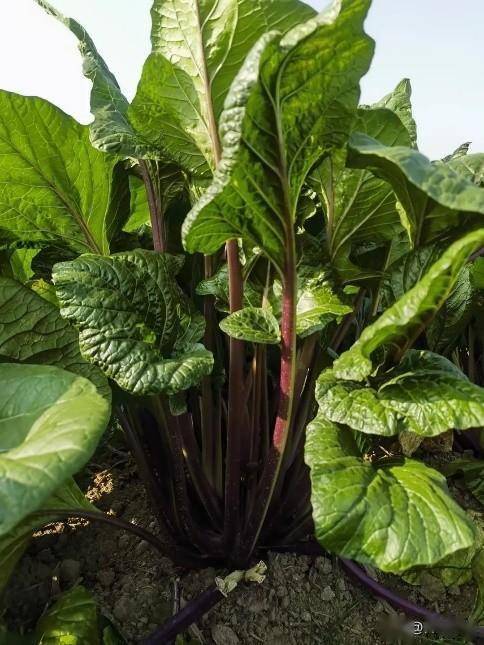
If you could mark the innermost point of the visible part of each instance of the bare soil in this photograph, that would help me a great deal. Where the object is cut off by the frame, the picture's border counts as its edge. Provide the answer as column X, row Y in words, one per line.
column 303, row 601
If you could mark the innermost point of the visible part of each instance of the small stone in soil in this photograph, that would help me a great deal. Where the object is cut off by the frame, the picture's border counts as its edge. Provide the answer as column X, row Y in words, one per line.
column 328, row 593
column 224, row 635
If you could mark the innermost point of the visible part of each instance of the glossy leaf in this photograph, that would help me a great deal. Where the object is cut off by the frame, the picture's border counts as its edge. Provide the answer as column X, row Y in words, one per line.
column 411, row 312
column 393, row 515
column 33, row 331
column 72, row 619
column 50, row 424
column 14, row 543
column 254, row 324
column 417, row 183
column 268, row 149
column 198, row 46
column 134, row 321
column 47, row 194
column 425, row 394
column 399, row 101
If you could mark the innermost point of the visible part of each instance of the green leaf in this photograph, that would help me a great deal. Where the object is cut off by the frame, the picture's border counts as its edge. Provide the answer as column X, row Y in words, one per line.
column 418, row 184
column 411, row 312
column 399, row 102
column 268, row 149
column 48, row 194
column 111, row 130
column 198, row 48
column 33, row 331
column 393, row 515
column 472, row 472
column 218, row 286
column 317, row 303
column 134, row 321
column 425, row 394
column 72, row 620
column 254, row 324
column 50, row 423
column 14, row 543
column 469, row 166
column 459, row 152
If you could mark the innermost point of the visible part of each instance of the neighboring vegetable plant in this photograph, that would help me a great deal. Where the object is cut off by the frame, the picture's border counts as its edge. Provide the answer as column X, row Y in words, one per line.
column 262, row 275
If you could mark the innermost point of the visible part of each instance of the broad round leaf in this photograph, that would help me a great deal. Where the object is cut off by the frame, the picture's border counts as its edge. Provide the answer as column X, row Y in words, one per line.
column 50, row 424
column 394, row 515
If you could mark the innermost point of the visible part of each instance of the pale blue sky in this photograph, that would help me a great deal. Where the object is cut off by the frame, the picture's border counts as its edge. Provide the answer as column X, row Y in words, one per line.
column 438, row 44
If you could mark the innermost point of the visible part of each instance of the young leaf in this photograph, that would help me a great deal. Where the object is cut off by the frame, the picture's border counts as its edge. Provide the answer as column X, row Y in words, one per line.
column 33, row 331
column 426, row 394
column 411, row 312
column 254, row 324
column 72, row 619
column 274, row 131
column 49, row 194
column 392, row 515
column 50, row 424
column 416, row 181
column 135, row 322
column 14, row 543
column 472, row 472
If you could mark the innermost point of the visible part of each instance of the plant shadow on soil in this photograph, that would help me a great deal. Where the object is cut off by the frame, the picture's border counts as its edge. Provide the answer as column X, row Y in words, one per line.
column 303, row 601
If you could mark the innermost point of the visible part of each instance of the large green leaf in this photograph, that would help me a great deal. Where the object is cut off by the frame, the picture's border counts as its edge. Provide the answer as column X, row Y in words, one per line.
column 55, row 188
column 254, row 324
column 425, row 394
column 395, row 514
column 50, row 423
column 33, row 331
column 292, row 102
column 135, row 322
column 360, row 208
column 14, row 543
column 317, row 302
column 419, row 185
column 411, row 312
column 72, row 620
column 198, row 48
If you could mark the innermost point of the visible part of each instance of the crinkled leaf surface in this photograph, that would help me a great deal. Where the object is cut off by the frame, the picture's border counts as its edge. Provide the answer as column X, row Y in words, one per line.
column 411, row 311
column 425, row 394
column 317, row 302
column 14, row 543
column 393, row 515
column 292, row 102
column 254, row 324
column 50, row 423
column 72, row 620
column 55, row 188
column 418, row 183
column 198, row 48
column 33, row 331
column 134, row 321
column 218, row 286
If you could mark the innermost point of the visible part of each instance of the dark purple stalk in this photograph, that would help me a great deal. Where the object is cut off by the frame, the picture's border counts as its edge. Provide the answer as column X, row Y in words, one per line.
column 235, row 410
column 191, row 613
column 156, row 216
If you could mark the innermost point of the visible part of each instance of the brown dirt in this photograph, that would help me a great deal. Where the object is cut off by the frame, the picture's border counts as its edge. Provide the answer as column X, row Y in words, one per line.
column 303, row 601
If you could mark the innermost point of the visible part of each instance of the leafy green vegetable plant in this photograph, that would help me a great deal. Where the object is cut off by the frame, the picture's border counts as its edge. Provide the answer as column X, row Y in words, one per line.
column 269, row 282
